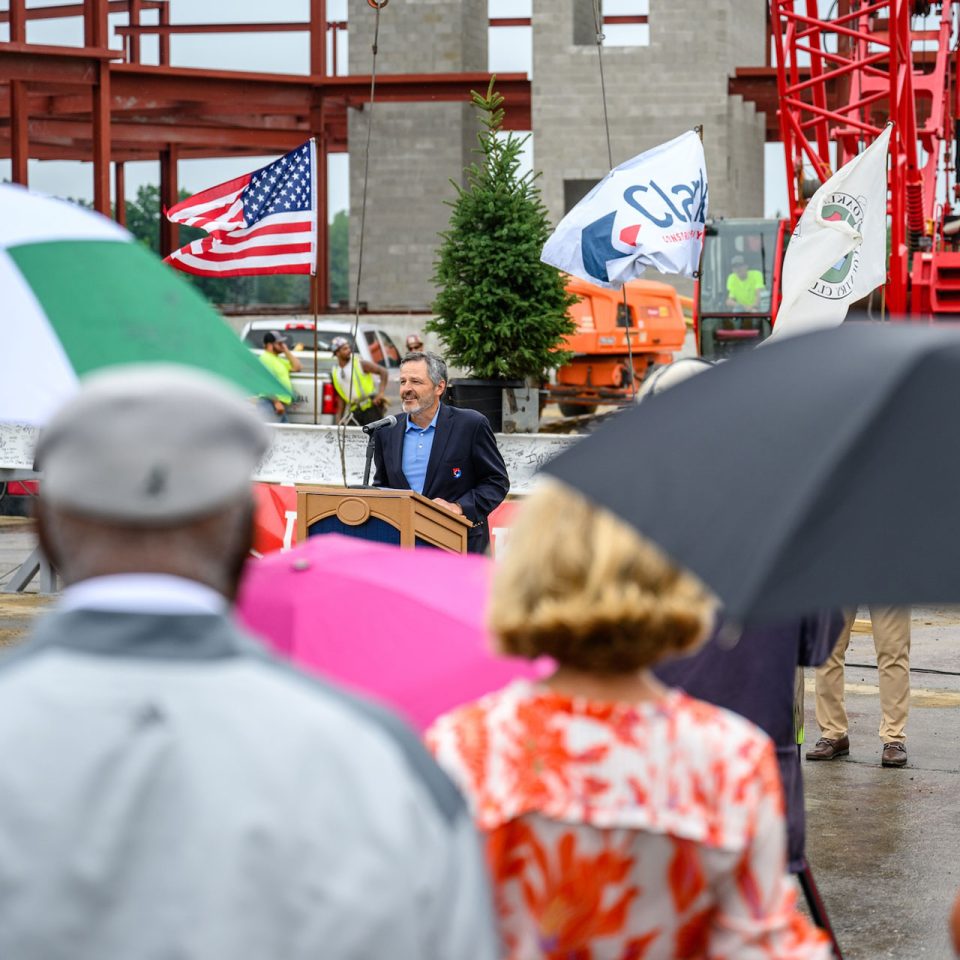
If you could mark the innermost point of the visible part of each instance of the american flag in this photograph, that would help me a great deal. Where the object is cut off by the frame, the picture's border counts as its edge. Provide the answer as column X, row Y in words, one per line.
column 262, row 222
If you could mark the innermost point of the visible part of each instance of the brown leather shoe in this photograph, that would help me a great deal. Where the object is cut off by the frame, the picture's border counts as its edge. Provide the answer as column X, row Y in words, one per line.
column 827, row 749
column 894, row 754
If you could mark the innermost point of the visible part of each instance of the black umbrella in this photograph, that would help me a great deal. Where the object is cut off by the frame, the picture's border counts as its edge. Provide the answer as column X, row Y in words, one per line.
column 815, row 472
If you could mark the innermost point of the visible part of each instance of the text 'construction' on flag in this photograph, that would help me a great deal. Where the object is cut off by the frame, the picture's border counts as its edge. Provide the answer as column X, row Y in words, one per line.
column 649, row 211
column 262, row 222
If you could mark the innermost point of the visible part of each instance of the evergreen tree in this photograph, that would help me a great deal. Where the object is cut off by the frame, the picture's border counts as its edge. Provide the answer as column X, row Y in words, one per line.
column 501, row 312
column 143, row 221
column 339, row 257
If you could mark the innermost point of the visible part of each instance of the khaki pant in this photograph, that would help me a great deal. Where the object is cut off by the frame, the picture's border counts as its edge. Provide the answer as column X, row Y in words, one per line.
column 891, row 639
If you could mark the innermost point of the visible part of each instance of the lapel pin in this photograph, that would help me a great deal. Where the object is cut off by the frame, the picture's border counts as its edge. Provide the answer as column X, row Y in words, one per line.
column 457, row 472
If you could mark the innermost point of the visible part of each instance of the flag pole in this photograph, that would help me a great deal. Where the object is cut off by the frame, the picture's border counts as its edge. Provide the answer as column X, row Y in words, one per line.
column 319, row 263
column 316, row 388
column 698, row 130
column 598, row 27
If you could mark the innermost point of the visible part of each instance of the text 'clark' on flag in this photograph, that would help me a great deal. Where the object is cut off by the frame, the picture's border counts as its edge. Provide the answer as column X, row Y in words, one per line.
column 262, row 222
column 649, row 211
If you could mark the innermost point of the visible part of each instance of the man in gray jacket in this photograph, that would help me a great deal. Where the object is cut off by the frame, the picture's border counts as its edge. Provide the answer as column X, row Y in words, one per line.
column 167, row 789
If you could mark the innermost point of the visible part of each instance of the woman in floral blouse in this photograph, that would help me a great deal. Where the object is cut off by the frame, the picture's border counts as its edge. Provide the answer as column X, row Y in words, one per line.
column 624, row 819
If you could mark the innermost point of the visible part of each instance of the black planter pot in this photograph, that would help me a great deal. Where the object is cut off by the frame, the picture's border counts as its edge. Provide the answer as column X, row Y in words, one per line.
column 484, row 396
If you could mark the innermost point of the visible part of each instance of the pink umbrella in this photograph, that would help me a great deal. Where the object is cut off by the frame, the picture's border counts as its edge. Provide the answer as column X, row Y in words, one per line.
column 406, row 626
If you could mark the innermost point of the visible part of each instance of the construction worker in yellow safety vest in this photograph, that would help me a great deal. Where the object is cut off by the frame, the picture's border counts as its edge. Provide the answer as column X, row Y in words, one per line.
column 363, row 403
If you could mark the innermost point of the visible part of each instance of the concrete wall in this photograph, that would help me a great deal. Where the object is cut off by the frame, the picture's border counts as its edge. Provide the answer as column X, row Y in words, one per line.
column 654, row 93
column 416, row 149
column 307, row 454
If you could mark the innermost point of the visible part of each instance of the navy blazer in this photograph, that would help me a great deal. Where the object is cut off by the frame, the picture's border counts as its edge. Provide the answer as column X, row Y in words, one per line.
column 756, row 678
column 465, row 467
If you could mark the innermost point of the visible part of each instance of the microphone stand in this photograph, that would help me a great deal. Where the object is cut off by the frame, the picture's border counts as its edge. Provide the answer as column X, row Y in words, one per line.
column 371, row 442
column 371, row 431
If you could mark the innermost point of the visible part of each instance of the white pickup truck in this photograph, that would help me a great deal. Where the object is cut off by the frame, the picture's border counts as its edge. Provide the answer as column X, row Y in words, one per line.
column 375, row 345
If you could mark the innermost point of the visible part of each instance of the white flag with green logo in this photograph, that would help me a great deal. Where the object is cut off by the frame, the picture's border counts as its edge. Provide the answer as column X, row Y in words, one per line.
column 838, row 251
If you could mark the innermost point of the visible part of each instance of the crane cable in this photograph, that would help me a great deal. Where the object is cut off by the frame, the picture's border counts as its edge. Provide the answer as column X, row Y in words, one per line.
column 377, row 6
column 598, row 30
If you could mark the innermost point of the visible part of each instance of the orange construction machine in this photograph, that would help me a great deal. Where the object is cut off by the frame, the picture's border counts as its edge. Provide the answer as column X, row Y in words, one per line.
column 600, row 369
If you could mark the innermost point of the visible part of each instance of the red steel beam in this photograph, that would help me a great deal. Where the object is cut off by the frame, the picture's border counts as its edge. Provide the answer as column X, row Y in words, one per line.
column 33, row 62
column 633, row 18
column 320, row 292
column 318, row 38
column 133, row 43
column 101, row 142
column 169, row 195
column 138, row 86
column 79, row 149
column 96, row 30
column 192, row 139
column 171, row 29
column 120, row 192
column 48, row 130
column 231, row 113
column 19, row 107
column 163, row 42
column 64, row 10
column 320, row 288
column 17, row 18
column 138, row 83
column 304, row 27
column 19, row 132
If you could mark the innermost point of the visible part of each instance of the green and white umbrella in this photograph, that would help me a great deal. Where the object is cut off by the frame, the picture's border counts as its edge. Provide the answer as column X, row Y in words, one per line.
column 78, row 293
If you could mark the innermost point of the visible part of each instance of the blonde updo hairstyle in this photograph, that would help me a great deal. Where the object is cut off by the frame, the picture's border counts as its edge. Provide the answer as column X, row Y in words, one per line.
column 580, row 586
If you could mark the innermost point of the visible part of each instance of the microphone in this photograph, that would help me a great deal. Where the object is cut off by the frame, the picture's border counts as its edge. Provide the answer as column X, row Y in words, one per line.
column 378, row 424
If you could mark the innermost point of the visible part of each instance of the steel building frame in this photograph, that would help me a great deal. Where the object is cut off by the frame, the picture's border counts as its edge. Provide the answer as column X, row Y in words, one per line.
column 96, row 104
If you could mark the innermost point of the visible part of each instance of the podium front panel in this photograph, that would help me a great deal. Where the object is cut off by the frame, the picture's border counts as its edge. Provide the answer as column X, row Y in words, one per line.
column 398, row 517
column 374, row 528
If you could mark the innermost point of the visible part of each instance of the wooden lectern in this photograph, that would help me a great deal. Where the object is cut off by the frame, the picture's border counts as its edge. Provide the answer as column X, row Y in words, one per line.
column 387, row 516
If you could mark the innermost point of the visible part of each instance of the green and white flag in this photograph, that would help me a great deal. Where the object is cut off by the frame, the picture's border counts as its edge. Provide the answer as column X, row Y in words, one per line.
column 838, row 251
column 79, row 293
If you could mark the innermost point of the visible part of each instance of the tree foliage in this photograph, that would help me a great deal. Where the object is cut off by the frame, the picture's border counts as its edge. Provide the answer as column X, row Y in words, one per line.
column 339, row 257
column 501, row 312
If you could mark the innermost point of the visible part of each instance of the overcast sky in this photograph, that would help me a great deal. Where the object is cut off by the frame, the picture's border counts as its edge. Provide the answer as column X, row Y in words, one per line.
column 287, row 53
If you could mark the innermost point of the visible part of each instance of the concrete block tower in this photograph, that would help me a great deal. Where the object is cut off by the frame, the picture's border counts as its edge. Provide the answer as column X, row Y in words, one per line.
column 654, row 93
column 417, row 148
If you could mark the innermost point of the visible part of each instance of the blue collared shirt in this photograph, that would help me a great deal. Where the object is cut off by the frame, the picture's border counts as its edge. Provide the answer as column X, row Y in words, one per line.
column 417, row 444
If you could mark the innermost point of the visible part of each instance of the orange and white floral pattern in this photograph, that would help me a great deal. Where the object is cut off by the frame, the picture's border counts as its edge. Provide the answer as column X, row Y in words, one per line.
column 627, row 831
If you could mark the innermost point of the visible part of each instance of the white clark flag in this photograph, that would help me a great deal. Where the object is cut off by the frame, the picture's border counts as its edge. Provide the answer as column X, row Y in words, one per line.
column 648, row 211
column 838, row 251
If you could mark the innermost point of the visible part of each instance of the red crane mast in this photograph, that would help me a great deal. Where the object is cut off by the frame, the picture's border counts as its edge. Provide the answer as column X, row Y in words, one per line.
column 840, row 78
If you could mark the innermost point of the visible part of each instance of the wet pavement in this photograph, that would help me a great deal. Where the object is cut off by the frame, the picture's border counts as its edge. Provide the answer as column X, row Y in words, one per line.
column 17, row 611
column 883, row 844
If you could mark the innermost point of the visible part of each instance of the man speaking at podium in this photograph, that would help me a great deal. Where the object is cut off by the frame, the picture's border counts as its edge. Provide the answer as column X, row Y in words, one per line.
column 445, row 453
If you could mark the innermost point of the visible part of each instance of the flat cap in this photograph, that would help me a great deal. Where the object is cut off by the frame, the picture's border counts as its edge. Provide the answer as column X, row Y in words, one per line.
column 150, row 443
